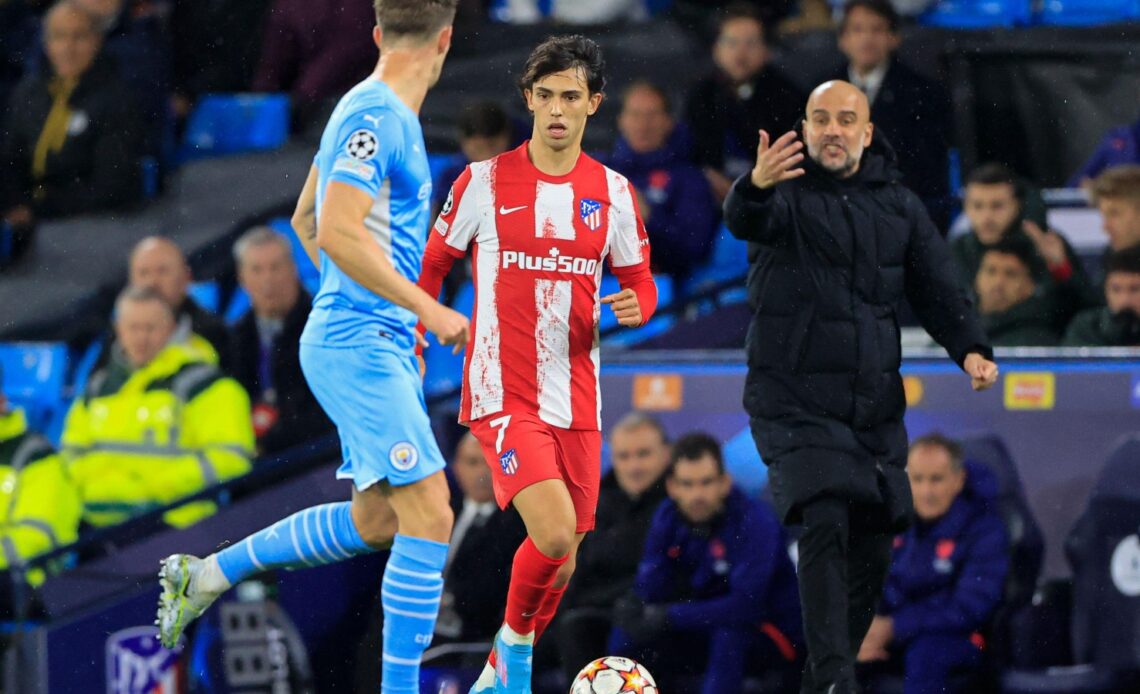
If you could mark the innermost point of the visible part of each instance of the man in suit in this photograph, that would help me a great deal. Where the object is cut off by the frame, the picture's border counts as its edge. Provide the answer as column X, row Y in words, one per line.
column 912, row 112
column 263, row 344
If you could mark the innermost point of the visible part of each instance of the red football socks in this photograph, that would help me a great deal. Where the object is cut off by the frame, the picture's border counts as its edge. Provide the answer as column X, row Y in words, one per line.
column 532, row 576
column 547, row 611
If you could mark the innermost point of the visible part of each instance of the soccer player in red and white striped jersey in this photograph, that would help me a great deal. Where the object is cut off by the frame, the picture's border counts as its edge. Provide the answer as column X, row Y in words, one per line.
column 539, row 222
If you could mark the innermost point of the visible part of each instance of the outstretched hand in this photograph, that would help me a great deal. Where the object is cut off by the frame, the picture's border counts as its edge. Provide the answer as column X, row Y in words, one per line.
column 774, row 163
column 983, row 373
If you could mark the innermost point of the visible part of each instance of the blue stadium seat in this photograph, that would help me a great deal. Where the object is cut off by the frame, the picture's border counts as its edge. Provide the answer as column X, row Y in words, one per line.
column 978, row 14
column 34, row 375
column 238, row 306
column 234, row 123
column 1088, row 12
column 657, row 324
column 208, row 295
column 743, row 462
column 445, row 370
column 729, row 260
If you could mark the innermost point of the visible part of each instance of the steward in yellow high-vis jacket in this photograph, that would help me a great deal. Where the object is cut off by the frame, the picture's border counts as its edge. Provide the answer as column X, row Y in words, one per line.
column 39, row 506
column 158, row 423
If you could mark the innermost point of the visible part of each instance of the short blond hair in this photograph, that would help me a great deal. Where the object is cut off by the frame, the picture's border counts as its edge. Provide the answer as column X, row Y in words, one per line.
column 1118, row 183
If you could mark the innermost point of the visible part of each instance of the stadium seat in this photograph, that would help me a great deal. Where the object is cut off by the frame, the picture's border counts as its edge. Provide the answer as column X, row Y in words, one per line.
column 1088, row 12
column 656, row 326
column 743, row 462
column 208, row 295
column 34, row 375
column 977, row 14
column 728, row 261
column 233, row 123
column 1103, row 550
column 444, row 370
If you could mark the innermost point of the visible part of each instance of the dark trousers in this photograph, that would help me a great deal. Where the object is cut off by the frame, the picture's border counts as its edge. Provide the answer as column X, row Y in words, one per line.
column 844, row 555
column 940, row 663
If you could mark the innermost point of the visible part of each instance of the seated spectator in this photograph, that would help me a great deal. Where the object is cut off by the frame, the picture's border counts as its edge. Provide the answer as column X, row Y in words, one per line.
column 316, row 51
column 583, row 12
column 1120, row 146
column 229, row 32
column 1013, row 313
column 715, row 591
column 483, row 544
column 1118, row 323
column 1000, row 207
column 263, row 344
column 947, row 572
column 136, row 40
column 39, row 506
column 911, row 112
column 485, row 131
column 73, row 137
column 157, row 423
column 680, row 213
column 158, row 263
column 630, row 495
column 727, row 109
column 1116, row 193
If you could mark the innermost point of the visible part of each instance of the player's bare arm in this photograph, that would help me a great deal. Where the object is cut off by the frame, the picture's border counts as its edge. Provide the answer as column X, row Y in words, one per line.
column 341, row 234
column 626, row 307
column 304, row 221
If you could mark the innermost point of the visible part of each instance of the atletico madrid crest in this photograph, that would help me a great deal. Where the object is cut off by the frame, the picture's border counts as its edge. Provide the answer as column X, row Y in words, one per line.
column 591, row 213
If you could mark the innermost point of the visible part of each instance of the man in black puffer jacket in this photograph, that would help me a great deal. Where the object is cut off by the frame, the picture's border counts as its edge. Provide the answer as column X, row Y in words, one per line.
column 834, row 249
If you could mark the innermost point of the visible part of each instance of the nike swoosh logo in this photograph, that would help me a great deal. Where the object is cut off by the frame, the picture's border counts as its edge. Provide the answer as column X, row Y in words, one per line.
column 508, row 210
column 528, row 614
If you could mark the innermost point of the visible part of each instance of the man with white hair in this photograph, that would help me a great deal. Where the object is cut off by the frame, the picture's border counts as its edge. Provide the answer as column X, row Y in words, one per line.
column 263, row 343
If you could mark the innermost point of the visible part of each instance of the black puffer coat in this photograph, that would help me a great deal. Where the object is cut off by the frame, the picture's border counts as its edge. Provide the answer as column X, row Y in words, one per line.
column 831, row 260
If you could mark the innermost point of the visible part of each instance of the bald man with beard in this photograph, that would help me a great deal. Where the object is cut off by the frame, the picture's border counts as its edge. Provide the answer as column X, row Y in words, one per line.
column 837, row 244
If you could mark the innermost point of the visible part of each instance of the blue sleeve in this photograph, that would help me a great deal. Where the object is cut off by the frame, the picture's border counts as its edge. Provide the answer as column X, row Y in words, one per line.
column 654, row 573
column 756, row 556
column 976, row 594
column 892, row 587
column 369, row 143
column 1096, row 163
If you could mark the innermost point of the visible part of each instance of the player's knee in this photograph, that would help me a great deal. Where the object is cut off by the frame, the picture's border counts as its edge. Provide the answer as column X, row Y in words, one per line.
column 565, row 572
column 378, row 529
column 554, row 541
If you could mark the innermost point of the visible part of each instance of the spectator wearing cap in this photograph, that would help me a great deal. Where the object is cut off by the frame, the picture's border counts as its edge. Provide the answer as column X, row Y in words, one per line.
column 263, row 344
column 680, row 212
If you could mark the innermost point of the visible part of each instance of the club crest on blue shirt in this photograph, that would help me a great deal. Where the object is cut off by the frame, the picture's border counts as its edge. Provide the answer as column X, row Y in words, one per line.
column 510, row 462
column 403, row 456
column 591, row 213
column 942, row 553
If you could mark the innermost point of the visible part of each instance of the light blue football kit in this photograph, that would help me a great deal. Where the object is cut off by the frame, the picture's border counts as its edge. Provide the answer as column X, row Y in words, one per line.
column 357, row 353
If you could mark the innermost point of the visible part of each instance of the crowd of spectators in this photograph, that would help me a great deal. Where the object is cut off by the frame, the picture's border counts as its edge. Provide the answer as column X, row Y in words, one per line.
column 178, row 400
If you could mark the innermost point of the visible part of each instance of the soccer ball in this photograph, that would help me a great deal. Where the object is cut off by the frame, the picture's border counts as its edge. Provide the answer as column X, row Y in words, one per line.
column 614, row 675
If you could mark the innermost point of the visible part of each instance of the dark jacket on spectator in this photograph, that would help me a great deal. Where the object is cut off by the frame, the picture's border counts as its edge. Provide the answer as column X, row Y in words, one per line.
column 1065, row 291
column 480, row 571
column 914, row 115
column 603, row 575
column 734, row 572
column 949, row 576
column 831, row 260
column 316, row 51
column 682, row 215
column 1028, row 324
column 1119, row 146
column 726, row 124
column 299, row 416
column 97, row 167
column 1098, row 327
column 216, row 44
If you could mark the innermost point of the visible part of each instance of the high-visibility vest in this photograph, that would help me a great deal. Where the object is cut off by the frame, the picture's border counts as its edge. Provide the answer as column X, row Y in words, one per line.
column 172, row 428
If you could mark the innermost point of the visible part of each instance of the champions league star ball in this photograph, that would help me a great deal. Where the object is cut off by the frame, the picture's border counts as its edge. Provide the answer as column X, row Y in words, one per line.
column 614, row 675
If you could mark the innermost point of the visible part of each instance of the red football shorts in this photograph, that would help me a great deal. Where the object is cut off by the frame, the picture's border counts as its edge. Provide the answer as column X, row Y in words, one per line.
column 522, row 450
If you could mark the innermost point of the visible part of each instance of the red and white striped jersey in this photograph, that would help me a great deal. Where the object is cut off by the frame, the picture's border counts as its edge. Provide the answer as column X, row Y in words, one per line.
column 537, row 245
